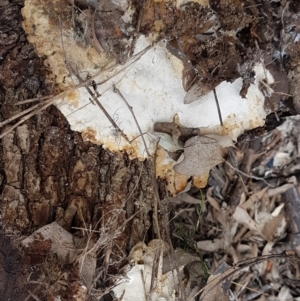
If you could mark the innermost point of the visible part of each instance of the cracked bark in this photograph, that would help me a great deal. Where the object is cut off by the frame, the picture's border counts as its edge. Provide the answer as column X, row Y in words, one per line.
column 48, row 173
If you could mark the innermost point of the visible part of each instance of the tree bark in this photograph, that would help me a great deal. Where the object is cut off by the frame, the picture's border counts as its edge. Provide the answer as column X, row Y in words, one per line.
column 48, row 173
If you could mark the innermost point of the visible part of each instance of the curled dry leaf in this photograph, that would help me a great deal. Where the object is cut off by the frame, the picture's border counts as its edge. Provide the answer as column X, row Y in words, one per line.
column 201, row 153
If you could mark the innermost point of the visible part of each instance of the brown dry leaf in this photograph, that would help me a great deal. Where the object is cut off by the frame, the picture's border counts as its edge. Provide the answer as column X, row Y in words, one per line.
column 53, row 239
column 211, row 200
column 201, row 181
column 254, row 198
column 87, row 267
column 279, row 190
column 188, row 73
column 241, row 216
column 198, row 90
column 229, row 230
column 220, row 216
column 221, row 291
column 271, row 227
column 211, row 245
column 184, row 198
column 223, row 141
column 201, row 153
column 230, row 250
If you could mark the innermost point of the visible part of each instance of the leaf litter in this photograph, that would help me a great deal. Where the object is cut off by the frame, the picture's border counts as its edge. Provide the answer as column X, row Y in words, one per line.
column 250, row 236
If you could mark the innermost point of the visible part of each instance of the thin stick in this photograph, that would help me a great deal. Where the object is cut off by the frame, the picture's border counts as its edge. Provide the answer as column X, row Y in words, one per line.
column 35, row 297
column 144, row 287
column 22, row 102
column 153, row 283
column 26, row 117
column 218, row 107
column 249, row 176
column 19, row 115
column 116, row 90
column 96, row 43
column 95, row 98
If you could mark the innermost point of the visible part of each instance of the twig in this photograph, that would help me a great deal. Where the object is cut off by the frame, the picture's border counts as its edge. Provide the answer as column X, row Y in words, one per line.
column 218, row 107
column 116, row 90
column 95, row 98
column 245, row 166
column 22, row 102
column 32, row 295
column 255, row 293
column 144, row 287
column 153, row 283
column 16, row 116
column 38, row 110
column 249, row 176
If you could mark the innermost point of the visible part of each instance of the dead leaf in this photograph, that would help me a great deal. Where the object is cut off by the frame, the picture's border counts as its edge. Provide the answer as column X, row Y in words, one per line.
column 271, row 227
column 201, row 181
column 87, row 267
column 220, row 216
column 277, row 210
column 188, row 75
column 223, row 141
column 254, row 198
column 285, row 294
column 198, row 90
column 211, row 200
column 279, row 190
column 201, row 154
column 196, row 277
column 211, row 245
column 221, row 291
column 241, row 216
column 53, row 239
column 184, row 198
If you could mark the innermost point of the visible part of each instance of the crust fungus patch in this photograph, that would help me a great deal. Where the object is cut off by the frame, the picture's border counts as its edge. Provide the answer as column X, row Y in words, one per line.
column 163, row 65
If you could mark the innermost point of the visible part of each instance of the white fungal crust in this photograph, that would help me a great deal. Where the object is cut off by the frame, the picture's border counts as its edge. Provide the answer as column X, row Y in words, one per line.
column 151, row 84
